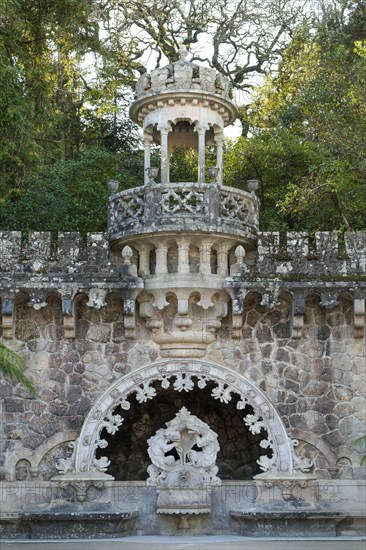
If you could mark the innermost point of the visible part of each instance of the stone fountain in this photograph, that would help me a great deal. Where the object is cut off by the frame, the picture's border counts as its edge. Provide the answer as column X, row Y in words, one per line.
column 183, row 467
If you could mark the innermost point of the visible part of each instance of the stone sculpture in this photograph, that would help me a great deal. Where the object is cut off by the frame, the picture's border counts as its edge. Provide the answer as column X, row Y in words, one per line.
column 196, row 446
column 185, row 476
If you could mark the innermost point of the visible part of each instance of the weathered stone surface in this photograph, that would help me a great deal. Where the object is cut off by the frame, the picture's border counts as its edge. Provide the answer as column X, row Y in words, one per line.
column 184, row 273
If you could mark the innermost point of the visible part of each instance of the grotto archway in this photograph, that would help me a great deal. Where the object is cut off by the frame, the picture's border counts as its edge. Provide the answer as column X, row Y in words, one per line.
column 183, row 376
column 239, row 447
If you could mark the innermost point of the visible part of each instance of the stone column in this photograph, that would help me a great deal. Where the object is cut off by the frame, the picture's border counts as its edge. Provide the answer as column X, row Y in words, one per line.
column 201, row 130
column 205, row 257
column 161, row 252
column 147, row 149
column 183, row 256
column 144, row 260
column 222, row 259
column 164, row 153
column 219, row 139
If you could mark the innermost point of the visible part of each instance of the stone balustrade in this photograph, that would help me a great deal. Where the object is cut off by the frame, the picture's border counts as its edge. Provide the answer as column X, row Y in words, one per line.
column 182, row 76
column 184, row 207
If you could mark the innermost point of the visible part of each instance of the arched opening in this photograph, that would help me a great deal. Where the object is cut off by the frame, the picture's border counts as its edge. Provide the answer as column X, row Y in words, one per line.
column 183, row 376
column 173, row 258
column 26, row 327
column 239, row 448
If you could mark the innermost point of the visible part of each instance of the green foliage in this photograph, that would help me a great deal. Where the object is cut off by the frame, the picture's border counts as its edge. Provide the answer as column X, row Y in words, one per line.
column 308, row 137
column 360, row 444
column 12, row 365
column 61, row 87
column 70, row 195
column 183, row 165
column 66, row 70
column 18, row 149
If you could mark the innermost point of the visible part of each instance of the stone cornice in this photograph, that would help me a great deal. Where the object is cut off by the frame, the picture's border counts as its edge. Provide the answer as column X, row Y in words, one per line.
column 186, row 99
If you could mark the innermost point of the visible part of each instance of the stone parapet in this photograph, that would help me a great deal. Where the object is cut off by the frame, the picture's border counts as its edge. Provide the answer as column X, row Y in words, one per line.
column 187, row 207
column 328, row 254
column 39, row 253
column 183, row 75
column 323, row 503
column 328, row 257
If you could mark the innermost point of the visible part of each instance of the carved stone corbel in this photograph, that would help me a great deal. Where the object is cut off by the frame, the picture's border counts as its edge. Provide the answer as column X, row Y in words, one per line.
column 129, row 312
column 237, row 302
column 217, row 312
column 298, row 311
column 68, row 317
column 150, row 313
column 8, row 318
column 183, row 321
column 359, row 317
column 237, row 319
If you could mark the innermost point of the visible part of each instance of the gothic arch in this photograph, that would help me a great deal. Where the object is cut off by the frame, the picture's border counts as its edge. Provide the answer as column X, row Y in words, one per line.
column 183, row 375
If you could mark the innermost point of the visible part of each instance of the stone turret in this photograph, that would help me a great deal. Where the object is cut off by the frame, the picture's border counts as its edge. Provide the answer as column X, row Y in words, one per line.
column 189, row 236
column 186, row 105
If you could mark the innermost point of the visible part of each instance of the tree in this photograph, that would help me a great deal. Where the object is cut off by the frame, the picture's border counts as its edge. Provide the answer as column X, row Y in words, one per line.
column 309, row 133
column 12, row 365
column 62, row 86
column 238, row 38
column 66, row 71
column 71, row 195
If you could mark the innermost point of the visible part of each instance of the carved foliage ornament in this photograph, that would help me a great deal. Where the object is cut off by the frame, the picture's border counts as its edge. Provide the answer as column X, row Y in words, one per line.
column 183, row 376
column 181, row 382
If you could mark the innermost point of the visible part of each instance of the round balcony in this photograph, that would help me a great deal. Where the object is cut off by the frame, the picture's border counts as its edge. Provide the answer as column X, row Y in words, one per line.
column 183, row 207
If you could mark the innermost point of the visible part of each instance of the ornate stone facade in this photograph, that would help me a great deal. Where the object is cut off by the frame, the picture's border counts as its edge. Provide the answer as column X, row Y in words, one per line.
column 184, row 306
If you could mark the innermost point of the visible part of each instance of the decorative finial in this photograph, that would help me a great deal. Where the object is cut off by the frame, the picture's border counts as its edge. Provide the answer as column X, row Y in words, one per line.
column 127, row 254
column 113, row 186
column 253, row 185
column 239, row 254
column 212, row 172
column 183, row 53
column 152, row 173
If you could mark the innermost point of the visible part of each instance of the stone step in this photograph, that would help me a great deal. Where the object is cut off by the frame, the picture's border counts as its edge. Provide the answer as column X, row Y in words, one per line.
column 192, row 543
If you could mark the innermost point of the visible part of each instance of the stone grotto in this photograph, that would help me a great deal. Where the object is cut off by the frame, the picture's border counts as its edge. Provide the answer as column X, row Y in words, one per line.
column 194, row 374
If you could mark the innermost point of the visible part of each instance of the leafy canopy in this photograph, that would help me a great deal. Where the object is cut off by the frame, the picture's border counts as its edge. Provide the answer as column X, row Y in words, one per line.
column 308, row 134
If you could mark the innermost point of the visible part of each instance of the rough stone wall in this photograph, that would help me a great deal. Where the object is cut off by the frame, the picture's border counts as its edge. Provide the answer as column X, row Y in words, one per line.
column 316, row 380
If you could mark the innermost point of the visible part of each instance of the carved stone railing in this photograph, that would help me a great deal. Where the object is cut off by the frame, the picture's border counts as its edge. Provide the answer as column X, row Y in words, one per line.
column 183, row 207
